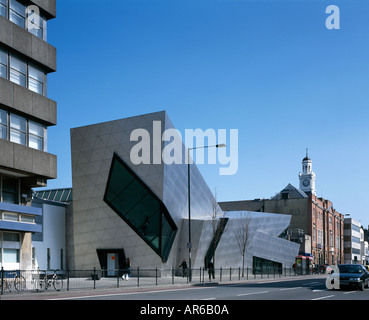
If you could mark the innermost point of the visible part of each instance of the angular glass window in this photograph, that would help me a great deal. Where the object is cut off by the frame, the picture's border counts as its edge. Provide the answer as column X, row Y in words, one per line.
column 140, row 208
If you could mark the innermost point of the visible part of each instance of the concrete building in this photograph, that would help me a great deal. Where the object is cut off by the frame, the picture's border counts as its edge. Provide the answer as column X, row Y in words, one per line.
column 124, row 208
column 315, row 223
column 26, row 58
column 352, row 241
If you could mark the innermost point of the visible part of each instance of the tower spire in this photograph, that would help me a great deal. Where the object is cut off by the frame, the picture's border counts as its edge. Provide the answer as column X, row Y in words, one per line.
column 307, row 177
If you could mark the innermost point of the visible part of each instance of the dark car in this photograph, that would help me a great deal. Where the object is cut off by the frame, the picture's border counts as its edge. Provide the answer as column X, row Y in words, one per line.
column 349, row 275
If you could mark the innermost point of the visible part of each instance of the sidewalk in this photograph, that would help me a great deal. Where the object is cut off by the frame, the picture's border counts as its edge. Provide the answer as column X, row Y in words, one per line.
column 109, row 285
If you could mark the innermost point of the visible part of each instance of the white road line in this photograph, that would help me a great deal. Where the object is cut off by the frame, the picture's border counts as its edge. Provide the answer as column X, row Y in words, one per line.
column 311, row 284
column 349, row 292
column 326, row 297
column 284, row 289
column 209, row 299
column 251, row 293
column 123, row 294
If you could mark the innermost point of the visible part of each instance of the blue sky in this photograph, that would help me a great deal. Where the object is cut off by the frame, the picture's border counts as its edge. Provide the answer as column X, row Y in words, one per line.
column 270, row 69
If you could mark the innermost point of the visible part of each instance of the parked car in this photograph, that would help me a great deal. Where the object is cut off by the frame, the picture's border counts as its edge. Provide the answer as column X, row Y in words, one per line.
column 349, row 275
column 325, row 268
column 366, row 267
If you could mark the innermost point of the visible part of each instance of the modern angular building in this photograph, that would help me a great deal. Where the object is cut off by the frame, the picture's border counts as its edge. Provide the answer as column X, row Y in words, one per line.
column 26, row 58
column 123, row 207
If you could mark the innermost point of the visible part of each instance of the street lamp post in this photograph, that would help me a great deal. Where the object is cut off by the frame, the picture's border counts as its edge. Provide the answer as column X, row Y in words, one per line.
column 189, row 245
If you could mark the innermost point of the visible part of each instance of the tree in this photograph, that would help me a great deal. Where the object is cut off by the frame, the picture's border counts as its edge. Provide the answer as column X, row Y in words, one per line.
column 219, row 223
column 241, row 232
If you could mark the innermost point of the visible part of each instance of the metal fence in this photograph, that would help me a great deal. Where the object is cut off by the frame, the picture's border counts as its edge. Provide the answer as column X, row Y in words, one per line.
column 65, row 280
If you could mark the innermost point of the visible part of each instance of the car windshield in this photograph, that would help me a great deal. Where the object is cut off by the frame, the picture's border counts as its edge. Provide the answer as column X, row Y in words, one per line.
column 351, row 269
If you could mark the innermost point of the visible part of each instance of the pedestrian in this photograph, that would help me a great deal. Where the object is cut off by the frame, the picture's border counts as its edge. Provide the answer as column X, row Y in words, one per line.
column 127, row 269
column 184, row 268
column 145, row 226
column 294, row 269
column 211, row 270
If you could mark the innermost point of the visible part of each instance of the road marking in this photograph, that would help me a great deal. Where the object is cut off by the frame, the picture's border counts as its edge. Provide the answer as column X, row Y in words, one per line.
column 124, row 294
column 284, row 289
column 312, row 284
column 326, row 297
column 349, row 292
column 209, row 299
column 251, row 293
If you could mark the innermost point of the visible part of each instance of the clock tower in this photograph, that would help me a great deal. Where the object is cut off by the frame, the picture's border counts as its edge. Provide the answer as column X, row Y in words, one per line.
column 307, row 176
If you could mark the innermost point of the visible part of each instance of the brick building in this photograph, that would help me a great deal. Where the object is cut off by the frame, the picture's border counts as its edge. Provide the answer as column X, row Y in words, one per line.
column 315, row 223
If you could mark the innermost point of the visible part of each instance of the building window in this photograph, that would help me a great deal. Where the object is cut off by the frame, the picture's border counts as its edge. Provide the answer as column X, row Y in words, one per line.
column 3, row 124
column 36, row 25
column 10, row 216
column 18, row 129
column 3, row 8
column 61, row 259
column 338, row 243
column 48, row 258
column 320, row 237
column 9, row 192
column 355, row 228
column 22, row 131
column 3, row 63
column 140, row 208
column 27, row 219
column 9, row 247
column 22, row 72
column 18, row 71
column 261, row 265
column 36, row 136
column 11, row 237
column 25, row 17
column 11, row 255
column 33, row 258
column 355, row 239
column 35, row 80
column 17, row 13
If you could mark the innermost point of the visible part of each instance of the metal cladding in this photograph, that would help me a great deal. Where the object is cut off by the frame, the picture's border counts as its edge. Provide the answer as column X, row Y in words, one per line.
column 112, row 197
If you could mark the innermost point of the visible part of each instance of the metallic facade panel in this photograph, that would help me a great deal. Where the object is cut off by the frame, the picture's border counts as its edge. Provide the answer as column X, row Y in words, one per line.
column 97, row 226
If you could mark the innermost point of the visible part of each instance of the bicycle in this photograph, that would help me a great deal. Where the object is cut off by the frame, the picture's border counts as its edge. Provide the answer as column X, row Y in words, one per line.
column 18, row 282
column 48, row 280
column 5, row 285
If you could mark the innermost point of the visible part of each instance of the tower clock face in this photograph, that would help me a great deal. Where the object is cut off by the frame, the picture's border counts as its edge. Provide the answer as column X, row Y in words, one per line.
column 305, row 182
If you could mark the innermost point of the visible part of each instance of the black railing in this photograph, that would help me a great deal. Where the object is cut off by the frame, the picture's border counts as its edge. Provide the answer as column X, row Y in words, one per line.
column 42, row 280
